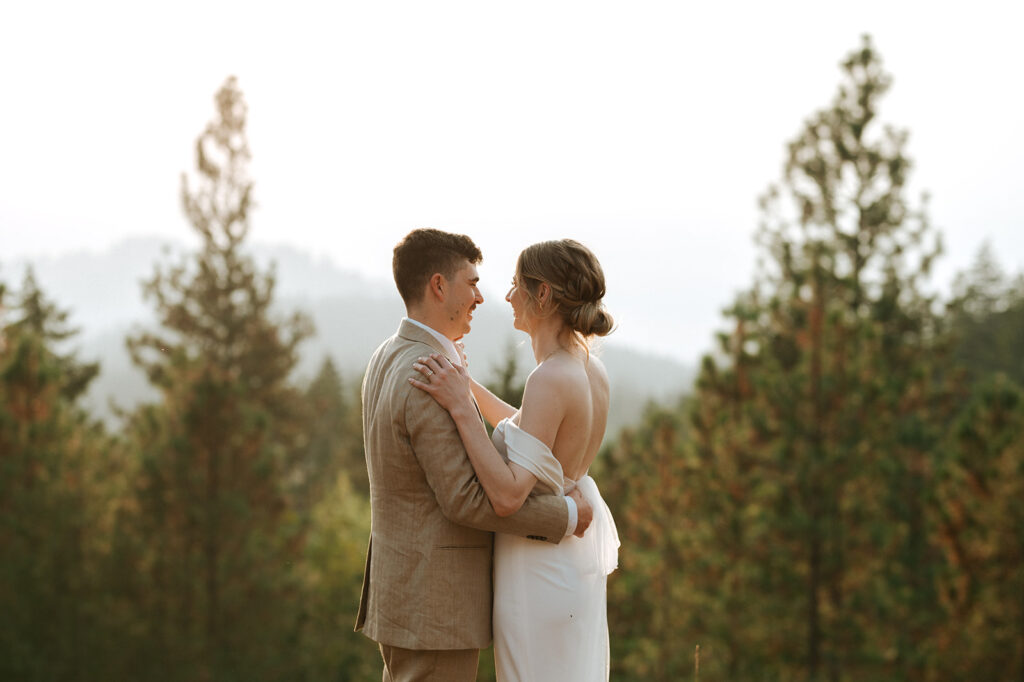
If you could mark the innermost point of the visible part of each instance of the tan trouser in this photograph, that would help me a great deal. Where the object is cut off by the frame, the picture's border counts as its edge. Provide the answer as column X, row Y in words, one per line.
column 414, row 665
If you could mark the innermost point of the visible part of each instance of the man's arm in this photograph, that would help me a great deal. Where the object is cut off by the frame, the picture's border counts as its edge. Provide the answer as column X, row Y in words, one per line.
column 439, row 450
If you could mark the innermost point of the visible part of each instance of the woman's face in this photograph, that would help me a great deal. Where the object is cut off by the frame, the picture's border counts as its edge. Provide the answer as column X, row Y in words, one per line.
column 518, row 297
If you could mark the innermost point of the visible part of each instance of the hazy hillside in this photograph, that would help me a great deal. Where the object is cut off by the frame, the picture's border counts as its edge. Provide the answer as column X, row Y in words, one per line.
column 352, row 316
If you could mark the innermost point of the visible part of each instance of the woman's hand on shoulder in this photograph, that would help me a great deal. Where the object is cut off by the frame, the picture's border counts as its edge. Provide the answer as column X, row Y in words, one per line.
column 447, row 383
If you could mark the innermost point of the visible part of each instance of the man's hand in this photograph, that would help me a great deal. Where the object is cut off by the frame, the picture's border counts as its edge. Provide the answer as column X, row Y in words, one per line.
column 461, row 347
column 585, row 513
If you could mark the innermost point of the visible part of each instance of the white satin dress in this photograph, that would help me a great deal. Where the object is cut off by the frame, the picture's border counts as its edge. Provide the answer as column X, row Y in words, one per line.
column 550, row 614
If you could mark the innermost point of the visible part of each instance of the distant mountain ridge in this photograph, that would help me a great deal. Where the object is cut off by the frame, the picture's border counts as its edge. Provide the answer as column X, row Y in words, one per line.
column 352, row 315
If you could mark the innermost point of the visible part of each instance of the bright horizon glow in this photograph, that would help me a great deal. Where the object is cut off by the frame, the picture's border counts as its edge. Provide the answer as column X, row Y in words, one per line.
column 646, row 131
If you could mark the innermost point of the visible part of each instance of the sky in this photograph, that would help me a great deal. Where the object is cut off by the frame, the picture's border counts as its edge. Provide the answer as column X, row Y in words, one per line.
column 646, row 130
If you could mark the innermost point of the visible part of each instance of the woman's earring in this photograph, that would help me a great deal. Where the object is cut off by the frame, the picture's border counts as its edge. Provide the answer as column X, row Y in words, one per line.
column 544, row 294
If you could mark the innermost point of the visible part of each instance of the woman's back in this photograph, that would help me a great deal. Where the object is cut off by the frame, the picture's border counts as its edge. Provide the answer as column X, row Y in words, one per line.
column 550, row 621
column 581, row 385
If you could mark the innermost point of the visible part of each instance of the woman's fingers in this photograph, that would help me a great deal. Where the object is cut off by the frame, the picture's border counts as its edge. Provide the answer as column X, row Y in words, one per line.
column 435, row 363
column 439, row 362
column 436, row 369
column 422, row 386
column 428, row 364
column 422, row 369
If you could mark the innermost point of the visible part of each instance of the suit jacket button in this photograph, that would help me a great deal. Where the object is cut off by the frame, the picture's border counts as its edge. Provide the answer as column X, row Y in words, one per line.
column 536, row 537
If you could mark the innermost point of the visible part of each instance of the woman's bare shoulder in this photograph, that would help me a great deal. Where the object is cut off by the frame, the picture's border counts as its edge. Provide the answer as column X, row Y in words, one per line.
column 561, row 377
column 548, row 376
column 597, row 372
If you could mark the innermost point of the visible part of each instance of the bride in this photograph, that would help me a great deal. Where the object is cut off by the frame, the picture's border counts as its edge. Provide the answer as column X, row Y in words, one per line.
column 550, row 619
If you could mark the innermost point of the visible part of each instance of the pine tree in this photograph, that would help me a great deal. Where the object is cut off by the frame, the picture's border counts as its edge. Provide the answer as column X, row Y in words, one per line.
column 658, row 604
column 981, row 521
column 58, row 474
column 335, row 441
column 830, row 400
column 987, row 319
column 331, row 572
column 45, row 321
column 219, row 449
column 507, row 384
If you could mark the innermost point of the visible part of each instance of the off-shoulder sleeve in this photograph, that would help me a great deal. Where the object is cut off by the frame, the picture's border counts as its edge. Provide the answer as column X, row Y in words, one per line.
column 534, row 456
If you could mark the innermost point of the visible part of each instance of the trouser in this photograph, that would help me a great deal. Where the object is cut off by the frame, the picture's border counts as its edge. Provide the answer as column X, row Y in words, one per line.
column 429, row 665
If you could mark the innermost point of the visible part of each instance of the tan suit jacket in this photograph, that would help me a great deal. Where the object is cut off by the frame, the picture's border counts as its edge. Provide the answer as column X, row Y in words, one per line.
column 427, row 583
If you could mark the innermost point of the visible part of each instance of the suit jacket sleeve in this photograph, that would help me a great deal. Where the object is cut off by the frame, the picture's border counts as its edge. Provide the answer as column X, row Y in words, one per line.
column 442, row 456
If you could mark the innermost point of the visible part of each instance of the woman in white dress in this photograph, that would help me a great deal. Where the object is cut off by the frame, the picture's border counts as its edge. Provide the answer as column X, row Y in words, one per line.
column 550, row 617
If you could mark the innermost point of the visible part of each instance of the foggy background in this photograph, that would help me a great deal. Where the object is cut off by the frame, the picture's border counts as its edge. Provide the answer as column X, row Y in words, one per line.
column 646, row 132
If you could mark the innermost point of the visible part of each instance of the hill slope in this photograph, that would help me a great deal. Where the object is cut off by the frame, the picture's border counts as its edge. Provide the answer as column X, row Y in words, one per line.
column 352, row 316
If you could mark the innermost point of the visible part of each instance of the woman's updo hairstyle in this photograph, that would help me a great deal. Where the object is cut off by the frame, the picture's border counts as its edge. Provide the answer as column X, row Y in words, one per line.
column 577, row 285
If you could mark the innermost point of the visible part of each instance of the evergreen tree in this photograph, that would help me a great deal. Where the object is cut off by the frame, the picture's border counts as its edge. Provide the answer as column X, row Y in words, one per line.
column 659, row 608
column 827, row 401
column 833, row 503
column 335, row 440
column 507, row 384
column 331, row 572
column 219, row 450
column 58, row 474
column 981, row 522
column 987, row 319
column 44, row 320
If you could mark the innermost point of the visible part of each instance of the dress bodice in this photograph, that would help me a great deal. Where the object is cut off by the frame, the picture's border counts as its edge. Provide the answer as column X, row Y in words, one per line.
column 540, row 588
column 532, row 454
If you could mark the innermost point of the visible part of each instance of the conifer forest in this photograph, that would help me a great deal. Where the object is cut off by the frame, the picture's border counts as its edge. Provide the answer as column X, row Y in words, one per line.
column 838, row 497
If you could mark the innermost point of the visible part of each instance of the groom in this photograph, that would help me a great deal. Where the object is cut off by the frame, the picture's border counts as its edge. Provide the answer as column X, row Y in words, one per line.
column 427, row 587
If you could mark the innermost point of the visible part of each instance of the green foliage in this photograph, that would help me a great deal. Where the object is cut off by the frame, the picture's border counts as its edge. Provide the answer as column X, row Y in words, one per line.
column 655, row 619
column 829, row 399
column 331, row 573
column 104, row 542
column 980, row 517
column 211, row 496
column 42, row 319
column 333, row 427
column 841, row 498
column 59, row 471
column 987, row 320
column 811, row 513
column 508, row 384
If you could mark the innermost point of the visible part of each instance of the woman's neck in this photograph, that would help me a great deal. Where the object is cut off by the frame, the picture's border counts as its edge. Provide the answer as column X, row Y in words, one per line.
column 548, row 337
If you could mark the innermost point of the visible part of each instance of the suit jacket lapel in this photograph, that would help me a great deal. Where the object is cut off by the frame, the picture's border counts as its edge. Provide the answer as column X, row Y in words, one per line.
column 410, row 332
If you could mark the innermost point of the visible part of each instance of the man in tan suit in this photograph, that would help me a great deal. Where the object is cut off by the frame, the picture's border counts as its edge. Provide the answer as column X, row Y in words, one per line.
column 427, row 588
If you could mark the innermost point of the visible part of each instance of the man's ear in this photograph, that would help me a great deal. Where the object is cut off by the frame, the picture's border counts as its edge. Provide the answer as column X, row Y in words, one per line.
column 438, row 286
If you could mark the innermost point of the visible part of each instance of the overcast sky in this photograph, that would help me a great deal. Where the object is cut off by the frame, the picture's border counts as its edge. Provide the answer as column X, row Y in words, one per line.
column 647, row 130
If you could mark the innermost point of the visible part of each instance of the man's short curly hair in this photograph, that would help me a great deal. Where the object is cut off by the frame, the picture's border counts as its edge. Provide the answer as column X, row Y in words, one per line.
column 426, row 251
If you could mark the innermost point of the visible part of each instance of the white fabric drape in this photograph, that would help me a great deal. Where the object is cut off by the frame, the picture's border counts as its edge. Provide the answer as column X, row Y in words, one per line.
column 550, row 608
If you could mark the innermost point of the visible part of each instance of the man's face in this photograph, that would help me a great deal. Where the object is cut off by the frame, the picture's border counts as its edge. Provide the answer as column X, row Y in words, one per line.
column 463, row 298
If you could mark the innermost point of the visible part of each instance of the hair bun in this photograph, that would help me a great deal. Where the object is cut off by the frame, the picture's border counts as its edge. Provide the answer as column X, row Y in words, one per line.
column 577, row 285
column 591, row 319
